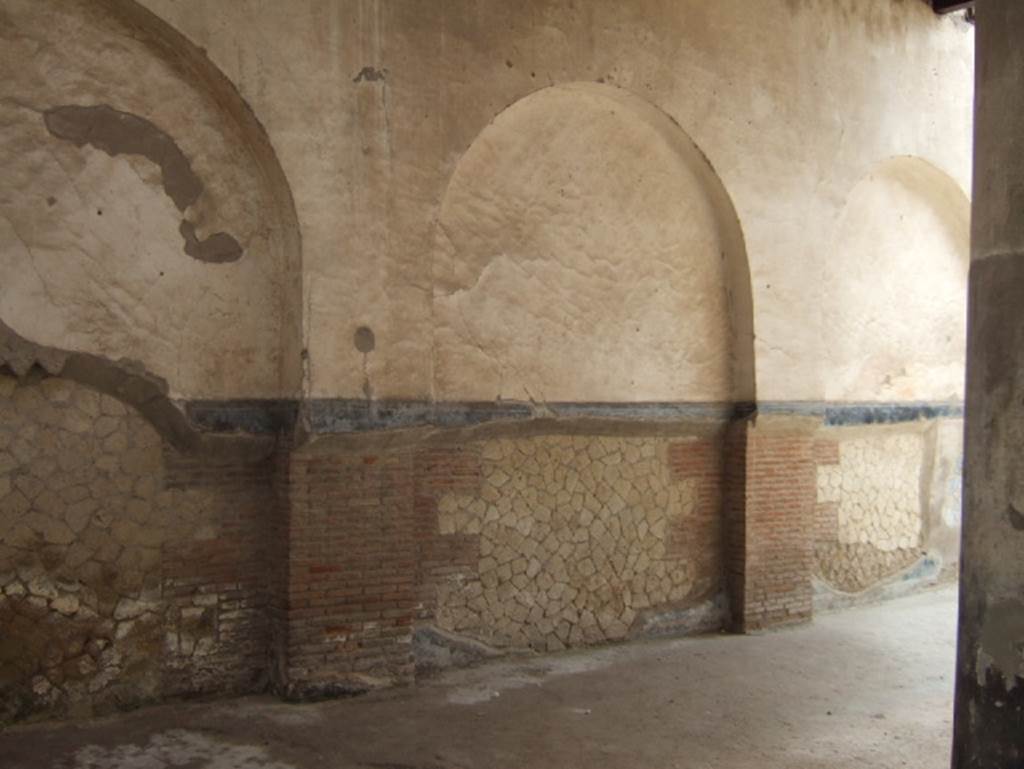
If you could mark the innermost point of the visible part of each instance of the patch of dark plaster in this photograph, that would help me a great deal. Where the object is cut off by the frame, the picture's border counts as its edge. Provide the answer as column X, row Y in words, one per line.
column 364, row 339
column 435, row 650
column 346, row 415
column 889, row 413
column 370, row 75
column 297, row 691
column 989, row 710
column 125, row 380
column 849, row 414
column 988, row 733
column 657, row 412
column 122, row 133
column 1016, row 519
column 252, row 416
column 355, row 416
column 216, row 249
column 339, row 416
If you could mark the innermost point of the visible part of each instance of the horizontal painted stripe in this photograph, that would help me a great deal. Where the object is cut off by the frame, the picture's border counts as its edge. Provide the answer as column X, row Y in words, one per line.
column 342, row 415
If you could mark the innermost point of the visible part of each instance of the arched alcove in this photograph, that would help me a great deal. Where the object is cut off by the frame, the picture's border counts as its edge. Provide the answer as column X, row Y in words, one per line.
column 895, row 287
column 149, row 252
column 894, row 315
column 150, row 218
column 588, row 252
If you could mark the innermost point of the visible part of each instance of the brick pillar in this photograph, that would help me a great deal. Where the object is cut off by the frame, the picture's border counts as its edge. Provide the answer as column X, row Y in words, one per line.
column 348, row 588
column 278, row 568
column 700, row 460
column 771, row 485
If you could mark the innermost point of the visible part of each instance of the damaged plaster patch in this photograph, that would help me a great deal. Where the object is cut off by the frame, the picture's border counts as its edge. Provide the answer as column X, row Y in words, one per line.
column 370, row 75
column 1016, row 519
column 122, row 133
column 125, row 380
column 177, row 748
column 1002, row 643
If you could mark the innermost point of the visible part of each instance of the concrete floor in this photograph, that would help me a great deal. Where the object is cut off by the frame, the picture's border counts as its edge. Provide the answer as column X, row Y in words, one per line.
column 867, row 688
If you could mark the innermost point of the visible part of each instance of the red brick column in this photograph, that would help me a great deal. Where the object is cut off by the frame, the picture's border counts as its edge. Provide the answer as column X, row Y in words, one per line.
column 441, row 470
column 351, row 573
column 700, row 460
column 771, row 497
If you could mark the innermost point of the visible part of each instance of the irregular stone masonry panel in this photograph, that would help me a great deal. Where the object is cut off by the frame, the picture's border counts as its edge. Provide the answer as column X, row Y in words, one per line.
column 869, row 521
column 578, row 537
column 778, row 505
column 116, row 588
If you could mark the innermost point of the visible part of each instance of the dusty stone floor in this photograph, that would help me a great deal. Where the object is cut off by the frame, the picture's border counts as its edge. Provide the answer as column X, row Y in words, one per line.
column 866, row 688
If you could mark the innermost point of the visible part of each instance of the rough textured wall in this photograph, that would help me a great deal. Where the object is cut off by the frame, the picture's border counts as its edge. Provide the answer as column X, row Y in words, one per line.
column 887, row 498
column 584, row 255
column 127, row 572
column 581, row 539
column 142, row 217
column 766, row 90
column 894, row 291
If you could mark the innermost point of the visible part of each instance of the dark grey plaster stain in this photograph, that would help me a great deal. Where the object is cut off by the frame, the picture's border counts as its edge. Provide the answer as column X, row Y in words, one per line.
column 370, row 75
column 216, row 249
column 1016, row 519
column 989, row 697
column 366, row 342
column 125, row 380
column 122, row 133
column 364, row 339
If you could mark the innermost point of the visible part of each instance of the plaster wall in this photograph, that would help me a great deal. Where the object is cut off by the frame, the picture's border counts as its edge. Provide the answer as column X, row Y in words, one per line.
column 142, row 215
column 894, row 288
column 792, row 102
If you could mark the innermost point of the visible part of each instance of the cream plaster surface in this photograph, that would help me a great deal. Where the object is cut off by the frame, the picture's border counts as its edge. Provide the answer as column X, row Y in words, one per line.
column 580, row 252
column 894, row 303
column 91, row 257
column 793, row 102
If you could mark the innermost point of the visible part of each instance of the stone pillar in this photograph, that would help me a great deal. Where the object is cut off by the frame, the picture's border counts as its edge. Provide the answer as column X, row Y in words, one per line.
column 989, row 722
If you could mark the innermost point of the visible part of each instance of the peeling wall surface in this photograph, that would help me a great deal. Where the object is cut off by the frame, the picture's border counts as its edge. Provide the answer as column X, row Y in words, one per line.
column 344, row 341
column 134, row 219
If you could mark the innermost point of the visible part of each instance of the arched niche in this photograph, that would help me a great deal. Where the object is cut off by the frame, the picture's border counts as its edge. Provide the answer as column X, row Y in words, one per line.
column 144, row 215
column 895, row 287
column 588, row 252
